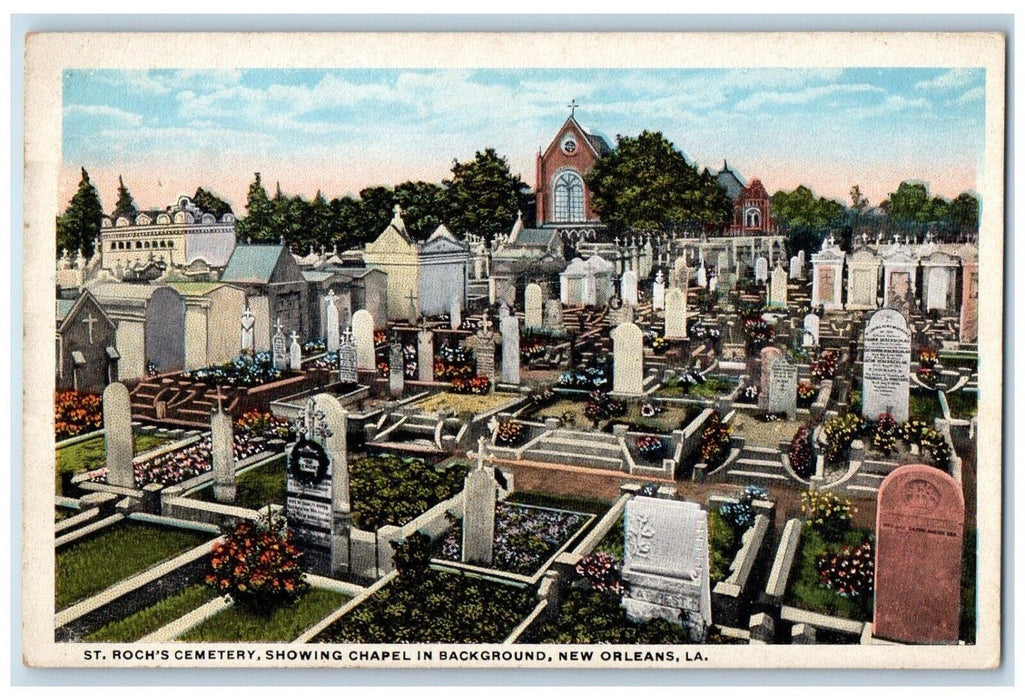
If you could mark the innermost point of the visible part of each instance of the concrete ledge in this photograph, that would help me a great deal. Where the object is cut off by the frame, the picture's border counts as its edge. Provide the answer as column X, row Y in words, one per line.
column 820, row 621
column 76, row 520
column 171, row 631
column 88, row 529
column 330, row 584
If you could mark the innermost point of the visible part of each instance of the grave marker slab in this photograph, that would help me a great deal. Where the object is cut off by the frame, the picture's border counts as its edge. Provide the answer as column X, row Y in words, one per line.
column 761, row 270
column 279, row 349
column 295, row 354
column 811, row 331
column 332, row 328
column 919, row 541
column 117, row 431
column 510, row 330
column 347, row 360
column 887, row 366
column 627, row 359
column 363, row 337
column 480, row 493
column 783, row 387
column 676, row 314
column 396, row 370
column 628, row 287
column 425, row 355
column 533, row 297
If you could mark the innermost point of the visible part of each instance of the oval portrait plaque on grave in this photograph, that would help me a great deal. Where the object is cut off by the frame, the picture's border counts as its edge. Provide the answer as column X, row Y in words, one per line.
column 308, row 462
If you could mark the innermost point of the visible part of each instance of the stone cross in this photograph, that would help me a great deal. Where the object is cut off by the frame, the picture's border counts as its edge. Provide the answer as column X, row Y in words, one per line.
column 279, row 354
column 331, row 320
column 248, row 340
column 295, row 353
column 89, row 321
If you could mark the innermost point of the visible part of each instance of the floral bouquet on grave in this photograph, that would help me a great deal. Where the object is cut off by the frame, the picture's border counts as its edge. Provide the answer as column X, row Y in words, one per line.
column 715, row 442
column 802, row 453
column 806, row 394
column 884, row 434
column 600, row 572
column 75, row 413
column 831, row 515
column 839, row 433
column 650, row 447
column 850, row 572
column 825, row 367
column 258, row 566
column 749, row 394
column 510, row 433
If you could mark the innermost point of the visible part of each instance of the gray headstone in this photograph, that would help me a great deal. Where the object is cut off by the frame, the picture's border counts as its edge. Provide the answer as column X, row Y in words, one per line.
column 484, row 349
column 279, row 349
column 722, row 261
column 676, row 314
column 425, row 355
column 627, row 359
column 347, row 359
column 396, row 370
column 479, row 495
column 332, row 329
column 223, row 451
column 887, row 366
column 363, row 337
column 553, row 315
column 761, row 270
column 796, row 268
column 783, row 387
column 666, row 563
column 510, row 330
column 117, row 430
column 533, row 299
column 768, row 357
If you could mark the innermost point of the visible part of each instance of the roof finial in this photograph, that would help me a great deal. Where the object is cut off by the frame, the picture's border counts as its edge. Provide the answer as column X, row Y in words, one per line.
column 572, row 107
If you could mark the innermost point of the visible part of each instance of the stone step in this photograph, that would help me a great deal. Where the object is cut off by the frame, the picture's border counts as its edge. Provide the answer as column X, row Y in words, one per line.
column 758, row 449
column 589, row 438
column 572, row 458
column 756, row 475
column 759, row 463
column 579, row 445
column 863, row 489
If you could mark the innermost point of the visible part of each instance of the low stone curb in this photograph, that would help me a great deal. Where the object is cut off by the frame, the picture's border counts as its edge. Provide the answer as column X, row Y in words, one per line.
column 171, row 631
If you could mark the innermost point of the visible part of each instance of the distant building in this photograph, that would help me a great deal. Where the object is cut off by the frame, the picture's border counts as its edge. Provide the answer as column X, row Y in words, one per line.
column 178, row 236
column 752, row 208
column 275, row 289
column 526, row 255
column 563, row 198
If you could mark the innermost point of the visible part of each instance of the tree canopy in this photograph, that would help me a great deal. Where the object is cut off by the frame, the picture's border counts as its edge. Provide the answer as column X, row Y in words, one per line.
column 79, row 225
column 483, row 196
column 210, row 203
column 646, row 182
column 805, row 217
column 125, row 204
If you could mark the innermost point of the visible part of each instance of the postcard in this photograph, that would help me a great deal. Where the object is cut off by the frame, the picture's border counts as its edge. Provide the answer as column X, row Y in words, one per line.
column 468, row 350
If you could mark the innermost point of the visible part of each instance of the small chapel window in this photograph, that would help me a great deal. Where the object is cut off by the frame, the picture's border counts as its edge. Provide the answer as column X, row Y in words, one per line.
column 569, row 197
column 754, row 218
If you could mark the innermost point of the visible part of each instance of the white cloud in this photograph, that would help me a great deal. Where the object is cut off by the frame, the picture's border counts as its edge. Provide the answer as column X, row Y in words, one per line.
column 105, row 112
column 761, row 99
column 954, row 78
column 891, row 105
column 976, row 93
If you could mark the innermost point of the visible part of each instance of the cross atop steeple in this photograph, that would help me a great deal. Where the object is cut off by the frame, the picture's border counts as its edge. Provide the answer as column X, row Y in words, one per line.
column 572, row 106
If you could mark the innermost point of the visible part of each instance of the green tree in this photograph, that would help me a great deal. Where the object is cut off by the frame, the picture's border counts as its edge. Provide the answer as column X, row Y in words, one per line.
column 909, row 204
column 424, row 206
column 375, row 211
column 484, row 196
column 79, row 226
column 210, row 203
column 963, row 213
column 647, row 183
column 321, row 221
column 805, row 217
column 257, row 223
column 125, row 204
column 344, row 220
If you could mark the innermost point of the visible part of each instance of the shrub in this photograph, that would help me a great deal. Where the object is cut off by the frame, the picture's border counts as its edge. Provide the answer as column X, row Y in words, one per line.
column 75, row 413
column 387, row 490
column 412, row 557
column 600, row 572
column 850, row 572
column 828, row 513
column 541, row 396
column 884, row 436
column 758, row 333
column 257, row 565
column 243, row 371
column 802, row 453
column 839, row 433
column 825, row 367
column 715, row 442
column 918, row 433
column 806, row 394
column 477, row 386
column 510, row 433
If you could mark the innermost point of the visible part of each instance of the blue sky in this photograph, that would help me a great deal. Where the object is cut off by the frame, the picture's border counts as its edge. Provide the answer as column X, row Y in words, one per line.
column 169, row 131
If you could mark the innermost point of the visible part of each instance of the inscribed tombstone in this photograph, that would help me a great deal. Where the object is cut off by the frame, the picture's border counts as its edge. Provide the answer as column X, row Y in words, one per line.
column 887, row 366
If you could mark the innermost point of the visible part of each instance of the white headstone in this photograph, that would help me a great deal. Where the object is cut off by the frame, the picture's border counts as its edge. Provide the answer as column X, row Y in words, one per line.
column 796, row 268
column 811, row 331
column 248, row 343
column 295, row 353
column 676, row 314
column 363, row 336
column 702, row 277
column 332, row 328
column 628, row 285
column 480, row 492
column 627, row 359
column 658, row 292
column 778, row 287
column 887, row 366
column 783, row 387
column 223, row 451
column 666, row 565
column 455, row 313
column 761, row 270
column 722, row 261
column 117, row 431
column 532, row 306
column 510, row 330
column 937, row 281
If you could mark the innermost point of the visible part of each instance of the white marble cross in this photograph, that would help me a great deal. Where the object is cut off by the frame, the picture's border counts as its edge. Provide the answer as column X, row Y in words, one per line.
column 89, row 321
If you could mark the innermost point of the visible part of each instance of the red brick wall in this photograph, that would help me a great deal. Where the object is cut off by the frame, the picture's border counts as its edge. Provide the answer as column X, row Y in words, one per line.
column 554, row 159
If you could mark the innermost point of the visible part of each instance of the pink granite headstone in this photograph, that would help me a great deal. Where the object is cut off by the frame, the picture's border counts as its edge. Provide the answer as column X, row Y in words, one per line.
column 919, row 538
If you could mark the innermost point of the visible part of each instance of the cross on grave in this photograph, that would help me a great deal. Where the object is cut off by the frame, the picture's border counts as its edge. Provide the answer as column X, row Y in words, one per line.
column 89, row 321
column 485, row 324
column 412, row 305
column 295, row 337
column 278, row 327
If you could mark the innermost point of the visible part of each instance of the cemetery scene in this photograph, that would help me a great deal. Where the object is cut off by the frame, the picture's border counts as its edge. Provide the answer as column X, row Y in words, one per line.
column 578, row 409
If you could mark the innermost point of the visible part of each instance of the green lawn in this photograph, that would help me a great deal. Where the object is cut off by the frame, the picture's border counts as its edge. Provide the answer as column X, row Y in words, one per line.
column 711, row 388
column 256, row 487
column 149, row 620
column 97, row 561
column 92, row 453
column 806, row 591
column 963, row 404
column 283, row 624
column 924, row 406
column 952, row 361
